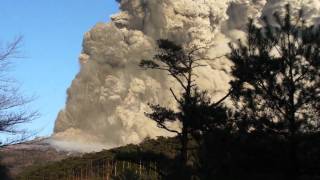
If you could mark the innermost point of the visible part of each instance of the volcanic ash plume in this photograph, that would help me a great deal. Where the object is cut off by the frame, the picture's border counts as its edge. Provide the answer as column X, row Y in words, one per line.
column 107, row 99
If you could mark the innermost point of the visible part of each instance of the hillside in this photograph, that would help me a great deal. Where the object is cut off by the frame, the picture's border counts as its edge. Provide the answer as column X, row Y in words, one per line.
column 20, row 156
column 142, row 160
column 227, row 157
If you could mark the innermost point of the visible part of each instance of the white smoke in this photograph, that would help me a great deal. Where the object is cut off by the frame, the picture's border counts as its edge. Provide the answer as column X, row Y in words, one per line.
column 107, row 99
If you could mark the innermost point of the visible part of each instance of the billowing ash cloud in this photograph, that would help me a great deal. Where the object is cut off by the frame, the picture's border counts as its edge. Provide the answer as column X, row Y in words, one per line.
column 107, row 99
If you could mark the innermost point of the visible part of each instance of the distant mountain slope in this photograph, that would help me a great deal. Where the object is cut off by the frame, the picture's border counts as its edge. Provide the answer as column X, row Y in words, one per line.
column 36, row 152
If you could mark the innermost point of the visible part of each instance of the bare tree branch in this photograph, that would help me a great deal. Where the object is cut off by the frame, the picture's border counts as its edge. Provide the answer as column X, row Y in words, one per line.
column 13, row 104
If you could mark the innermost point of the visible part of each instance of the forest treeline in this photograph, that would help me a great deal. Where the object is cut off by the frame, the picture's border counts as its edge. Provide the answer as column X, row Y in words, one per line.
column 270, row 132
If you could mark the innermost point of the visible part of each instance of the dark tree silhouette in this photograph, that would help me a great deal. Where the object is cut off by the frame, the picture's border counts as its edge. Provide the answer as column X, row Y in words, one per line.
column 13, row 109
column 277, row 80
column 196, row 112
column 4, row 173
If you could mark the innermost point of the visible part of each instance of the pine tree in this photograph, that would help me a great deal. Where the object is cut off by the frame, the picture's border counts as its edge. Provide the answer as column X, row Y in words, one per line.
column 277, row 80
column 196, row 112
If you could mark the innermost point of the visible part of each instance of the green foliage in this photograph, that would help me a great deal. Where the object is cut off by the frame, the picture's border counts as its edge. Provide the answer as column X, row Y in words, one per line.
column 127, row 175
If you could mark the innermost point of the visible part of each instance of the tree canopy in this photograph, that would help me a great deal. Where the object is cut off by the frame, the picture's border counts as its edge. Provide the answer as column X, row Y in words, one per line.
column 277, row 81
column 196, row 112
column 277, row 76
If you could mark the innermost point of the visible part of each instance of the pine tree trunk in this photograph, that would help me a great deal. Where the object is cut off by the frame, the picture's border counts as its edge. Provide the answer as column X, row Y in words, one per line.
column 183, row 171
column 294, row 164
column 293, row 171
column 184, row 148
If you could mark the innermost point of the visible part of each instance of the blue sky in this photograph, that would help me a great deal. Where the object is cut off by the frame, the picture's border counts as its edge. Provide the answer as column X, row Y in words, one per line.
column 53, row 32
